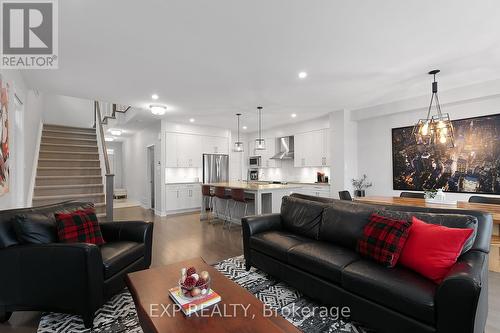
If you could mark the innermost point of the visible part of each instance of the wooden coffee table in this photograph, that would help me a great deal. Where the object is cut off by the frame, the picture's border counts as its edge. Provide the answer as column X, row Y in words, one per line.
column 149, row 289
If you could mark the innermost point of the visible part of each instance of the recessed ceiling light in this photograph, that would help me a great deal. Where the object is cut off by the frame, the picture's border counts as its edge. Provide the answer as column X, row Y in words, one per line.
column 158, row 110
column 191, row 120
column 116, row 132
column 302, row 75
column 109, row 139
column 294, row 115
column 154, row 96
column 244, row 127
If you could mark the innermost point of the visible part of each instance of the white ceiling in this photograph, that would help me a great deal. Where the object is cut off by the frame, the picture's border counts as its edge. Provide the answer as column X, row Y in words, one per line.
column 211, row 59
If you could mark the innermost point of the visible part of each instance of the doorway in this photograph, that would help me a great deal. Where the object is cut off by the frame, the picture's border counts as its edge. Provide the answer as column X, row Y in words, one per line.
column 151, row 175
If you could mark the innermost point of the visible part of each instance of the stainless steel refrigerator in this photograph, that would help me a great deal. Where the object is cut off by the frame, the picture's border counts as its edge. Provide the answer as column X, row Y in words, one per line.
column 215, row 168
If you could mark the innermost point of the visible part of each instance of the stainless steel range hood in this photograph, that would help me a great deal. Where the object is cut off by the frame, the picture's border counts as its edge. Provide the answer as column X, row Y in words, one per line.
column 285, row 148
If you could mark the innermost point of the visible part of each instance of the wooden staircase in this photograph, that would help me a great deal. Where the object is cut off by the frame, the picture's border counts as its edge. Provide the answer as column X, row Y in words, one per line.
column 69, row 167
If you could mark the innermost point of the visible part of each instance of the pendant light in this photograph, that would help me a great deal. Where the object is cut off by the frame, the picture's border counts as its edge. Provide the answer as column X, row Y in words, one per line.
column 434, row 129
column 260, row 143
column 238, row 145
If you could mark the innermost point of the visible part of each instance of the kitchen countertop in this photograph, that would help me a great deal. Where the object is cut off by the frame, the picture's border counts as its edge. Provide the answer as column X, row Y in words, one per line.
column 254, row 186
column 181, row 183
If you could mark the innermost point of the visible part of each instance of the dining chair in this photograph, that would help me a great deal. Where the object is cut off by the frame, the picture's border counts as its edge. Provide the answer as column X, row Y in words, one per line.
column 485, row 200
column 345, row 195
column 412, row 195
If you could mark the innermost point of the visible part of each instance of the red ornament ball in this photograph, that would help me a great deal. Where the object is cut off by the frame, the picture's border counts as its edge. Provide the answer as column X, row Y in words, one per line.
column 200, row 282
column 190, row 271
column 190, row 282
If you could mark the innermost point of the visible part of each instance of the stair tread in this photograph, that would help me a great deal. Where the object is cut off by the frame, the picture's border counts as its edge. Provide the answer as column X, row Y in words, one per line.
column 69, row 168
column 66, row 159
column 67, row 145
column 68, row 152
column 84, row 176
column 66, row 138
column 49, row 197
column 69, row 127
column 69, row 132
column 46, row 187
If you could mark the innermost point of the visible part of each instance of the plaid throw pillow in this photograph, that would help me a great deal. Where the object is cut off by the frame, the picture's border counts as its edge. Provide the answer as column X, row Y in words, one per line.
column 80, row 226
column 383, row 239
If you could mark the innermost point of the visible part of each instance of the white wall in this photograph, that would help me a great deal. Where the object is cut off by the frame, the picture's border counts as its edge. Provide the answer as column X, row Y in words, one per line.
column 69, row 111
column 24, row 122
column 117, row 148
column 374, row 138
column 135, row 165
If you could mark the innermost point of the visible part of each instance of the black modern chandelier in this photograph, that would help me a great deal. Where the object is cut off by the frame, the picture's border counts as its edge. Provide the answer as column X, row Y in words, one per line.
column 435, row 129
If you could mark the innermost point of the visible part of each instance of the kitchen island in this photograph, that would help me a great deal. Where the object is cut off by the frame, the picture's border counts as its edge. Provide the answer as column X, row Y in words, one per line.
column 267, row 197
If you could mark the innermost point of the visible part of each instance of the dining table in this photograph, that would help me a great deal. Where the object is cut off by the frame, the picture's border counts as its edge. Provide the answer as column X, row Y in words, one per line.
column 494, row 210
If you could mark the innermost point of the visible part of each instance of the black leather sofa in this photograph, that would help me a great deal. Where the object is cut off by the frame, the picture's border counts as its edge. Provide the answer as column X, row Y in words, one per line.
column 69, row 278
column 319, row 259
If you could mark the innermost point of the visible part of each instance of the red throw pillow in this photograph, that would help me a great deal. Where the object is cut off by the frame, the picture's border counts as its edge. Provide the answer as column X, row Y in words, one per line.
column 432, row 249
column 383, row 239
column 80, row 226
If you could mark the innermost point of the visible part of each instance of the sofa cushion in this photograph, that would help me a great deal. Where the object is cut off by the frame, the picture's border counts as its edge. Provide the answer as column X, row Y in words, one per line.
column 35, row 228
column 396, row 288
column 432, row 249
column 118, row 255
column 79, row 226
column 277, row 243
column 383, row 239
column 323, row 259
column 343, row 222
column 459, row 221
column 302, row 217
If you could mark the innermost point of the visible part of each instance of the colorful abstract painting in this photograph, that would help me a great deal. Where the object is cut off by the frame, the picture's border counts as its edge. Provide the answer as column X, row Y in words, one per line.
column 4, row 137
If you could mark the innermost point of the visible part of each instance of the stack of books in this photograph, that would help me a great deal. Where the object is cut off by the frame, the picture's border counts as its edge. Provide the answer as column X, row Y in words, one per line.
column 190, row 306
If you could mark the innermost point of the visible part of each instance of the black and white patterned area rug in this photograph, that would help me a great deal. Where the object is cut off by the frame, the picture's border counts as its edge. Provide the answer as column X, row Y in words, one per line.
column 119, row 314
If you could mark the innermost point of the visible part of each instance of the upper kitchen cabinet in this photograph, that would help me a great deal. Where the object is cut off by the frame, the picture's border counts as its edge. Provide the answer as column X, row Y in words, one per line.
column 183, row 150
column 215, row 145
column 311, row 149
column 266, row 154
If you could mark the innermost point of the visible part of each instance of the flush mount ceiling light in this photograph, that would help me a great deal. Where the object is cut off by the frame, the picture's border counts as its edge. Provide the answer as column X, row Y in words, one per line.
column 244, row 127
column 260, row 143
column 238, row 145
column 191, row 120
column 155, row 96
column 116, row 132
column 109, row 139
column 434, row 129
column 158, row 110
column 293, row 115
column 302, row 75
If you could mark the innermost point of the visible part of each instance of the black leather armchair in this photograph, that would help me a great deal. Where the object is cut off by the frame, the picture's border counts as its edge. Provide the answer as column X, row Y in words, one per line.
column 69, row 278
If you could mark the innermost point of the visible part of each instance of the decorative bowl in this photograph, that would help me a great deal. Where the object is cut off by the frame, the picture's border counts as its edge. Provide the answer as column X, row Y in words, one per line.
column 195, row 292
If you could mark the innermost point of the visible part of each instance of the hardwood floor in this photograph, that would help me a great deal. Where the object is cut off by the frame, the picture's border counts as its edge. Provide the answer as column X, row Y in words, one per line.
column 183, row 237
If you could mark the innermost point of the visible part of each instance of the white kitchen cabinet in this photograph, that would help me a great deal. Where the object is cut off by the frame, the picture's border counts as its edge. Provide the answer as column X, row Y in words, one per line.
column 215, row 145
column 186, row 150
column 315, row 190
column 311, row 148
column 266, row 154
column 171, row 147
column 189, row 152
column 183, row 197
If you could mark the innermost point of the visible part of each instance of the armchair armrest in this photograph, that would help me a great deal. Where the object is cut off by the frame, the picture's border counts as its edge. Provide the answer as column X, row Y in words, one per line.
column 259, row 223
column 462, row 297
column 52, row 277
column 133, row 231
column 256, row 224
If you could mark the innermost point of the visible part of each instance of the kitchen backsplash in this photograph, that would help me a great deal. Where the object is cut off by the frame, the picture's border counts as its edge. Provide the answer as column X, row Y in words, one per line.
column 179, row 175
column 289, row 173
